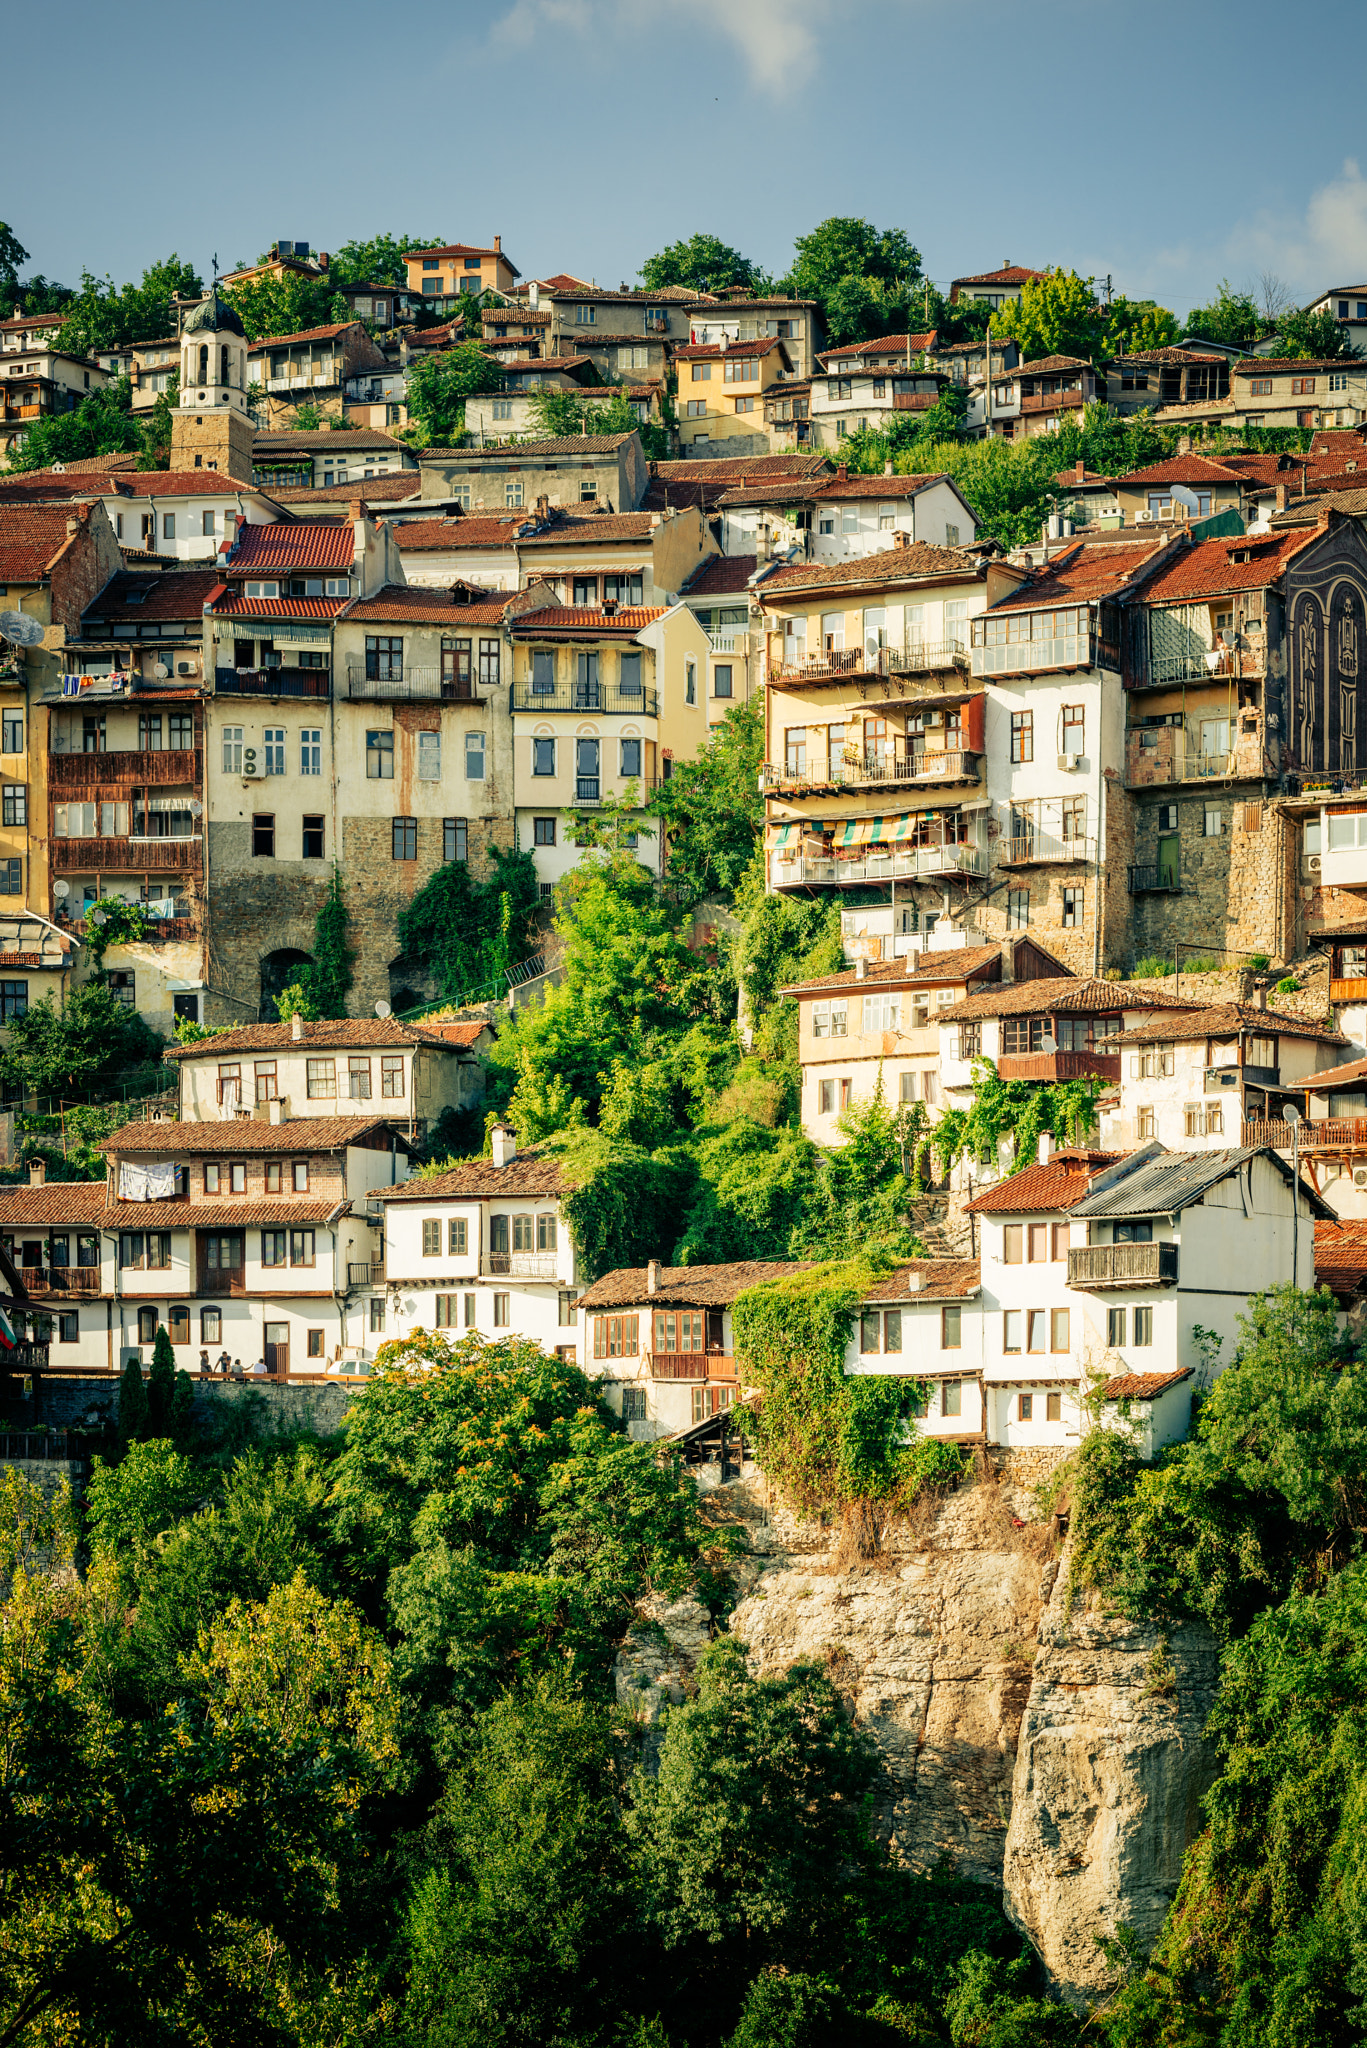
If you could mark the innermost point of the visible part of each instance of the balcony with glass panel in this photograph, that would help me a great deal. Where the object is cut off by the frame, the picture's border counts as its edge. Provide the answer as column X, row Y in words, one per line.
column 1032, row 643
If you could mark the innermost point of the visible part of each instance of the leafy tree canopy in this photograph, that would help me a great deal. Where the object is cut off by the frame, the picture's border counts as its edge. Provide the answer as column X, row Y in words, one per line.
column 703, row 263
column 862, row 278
column 467, row 932
column 105, row 315
column 102, row 424
column 1055, row 315
column 1314, row 337
column 438, row 386
column 286, row 304
column 378, row 260
column 1136, row 324
column 89, row 1047
column 711, row 808
column 1231, row 317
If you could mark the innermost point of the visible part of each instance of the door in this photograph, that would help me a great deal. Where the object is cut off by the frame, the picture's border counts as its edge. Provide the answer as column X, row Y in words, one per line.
column 714, row 1330
column 243, row 650
column 32, row 1253
column 1167, row 860
column 277, row 1348
column 876, row 747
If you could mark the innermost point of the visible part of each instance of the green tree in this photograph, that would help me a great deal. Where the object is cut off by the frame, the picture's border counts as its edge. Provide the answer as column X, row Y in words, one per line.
column 1136, row 324
column 380, row 260
column 701, row 264
column 161, row 1384
column 290, row 303
column 466, row 932
column 862, row 278
column 12, row 255
column 89, row 1047
column 1055, row 315
column 711, row 808
column 133, row 1402
column 1231, row 317
column 1314, row 337
column 130, row 1504
column 438, row 386
column 102, row 424
column 105, row 315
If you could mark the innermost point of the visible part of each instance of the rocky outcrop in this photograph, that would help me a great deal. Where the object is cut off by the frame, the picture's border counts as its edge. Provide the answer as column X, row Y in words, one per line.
column 1111, row 1766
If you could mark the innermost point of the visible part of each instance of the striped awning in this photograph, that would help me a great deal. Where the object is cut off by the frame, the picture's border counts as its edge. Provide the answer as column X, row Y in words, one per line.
column 784, row 834
column 854, row 832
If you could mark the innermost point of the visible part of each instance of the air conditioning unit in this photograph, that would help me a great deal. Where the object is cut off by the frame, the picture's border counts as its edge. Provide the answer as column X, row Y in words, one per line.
column 1072, row 762
column 934, row 718
column 252, row 765
column 1143, row 518
column 1360, row 1176
column 1315, row 862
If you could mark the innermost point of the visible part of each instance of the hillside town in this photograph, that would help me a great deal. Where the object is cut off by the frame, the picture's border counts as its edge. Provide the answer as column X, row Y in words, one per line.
column 1083, row 803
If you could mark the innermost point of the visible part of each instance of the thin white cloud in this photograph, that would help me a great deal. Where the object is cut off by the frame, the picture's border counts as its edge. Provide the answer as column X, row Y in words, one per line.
column 1326, row 245
column 774, row 37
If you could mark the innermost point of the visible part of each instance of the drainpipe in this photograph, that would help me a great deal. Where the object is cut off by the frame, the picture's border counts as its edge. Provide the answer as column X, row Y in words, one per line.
column 1096, row 910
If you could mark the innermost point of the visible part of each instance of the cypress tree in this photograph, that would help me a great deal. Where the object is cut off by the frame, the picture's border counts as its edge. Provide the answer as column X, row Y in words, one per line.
column 133, row 1405
column 161, row 1383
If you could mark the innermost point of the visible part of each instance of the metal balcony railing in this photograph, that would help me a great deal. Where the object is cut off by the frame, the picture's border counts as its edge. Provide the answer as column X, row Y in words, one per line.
column 939, row 863
column 815, row 668
column 1123, row 1265
column 609, row 697
column 272, row 682
column 521, row 1265
column 587, row 789
column 956, row 764
column 405, row 684
column 361, row 1273
column 922, row 656
column 1146, row 878
column 1036, row 849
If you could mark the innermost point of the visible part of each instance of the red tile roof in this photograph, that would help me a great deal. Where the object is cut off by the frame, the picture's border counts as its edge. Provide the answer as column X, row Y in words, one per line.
column 233, row 605
column 1234, row 562
column 590, row 619
column 420, row 605
column 1067, row 993
column 700, row 1286
column 1336, row 1077
column 1254, row 366
column 559, row 444
column 891, row 565
column 886, row 345
column 269, row 341
column 462, row 1031
column 72, row 1201
column 345, row 1034
column 1079, row 574
column 179, row 483
column 181, row 1214
column 402, row 483
column 940, row 1280
column 1183, row 469
column 734, row 469
column 961, row 963
column 181, row 595
column 532, row 1172
column 1339, row 441
column 1143, row 1386
column 416, row 536
column 588, row 526
column 1047, row 365
column 246, row 1134
column 457, row 249
column 880, row 486
column 1013, row 273
column 296, row 544
column 1167, row 355
column 1225, row 1020
column 31, row 538
column 267, row 443
column 1060, row 1185
column 721, row 575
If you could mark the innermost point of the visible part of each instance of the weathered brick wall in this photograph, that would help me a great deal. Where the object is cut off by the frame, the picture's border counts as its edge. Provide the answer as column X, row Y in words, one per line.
column 256, row 907
column 1238, row 888
column 72, row 1403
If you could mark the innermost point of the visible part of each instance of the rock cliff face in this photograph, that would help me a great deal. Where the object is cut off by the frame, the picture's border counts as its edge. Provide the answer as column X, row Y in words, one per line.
column 1058, row 1756
column 1111, row 1766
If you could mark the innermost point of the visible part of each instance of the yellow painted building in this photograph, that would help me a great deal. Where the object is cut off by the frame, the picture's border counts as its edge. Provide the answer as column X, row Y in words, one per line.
column 722, row 388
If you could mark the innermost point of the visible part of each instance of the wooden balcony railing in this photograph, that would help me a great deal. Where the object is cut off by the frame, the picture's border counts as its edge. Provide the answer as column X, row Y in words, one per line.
column 361, row 1273
column 137, row 855
column 1123, row 1265
column 1318, row 1134
column 1058, row 1066
column 126, row 768
column 691, row 1365
column 61, row 1279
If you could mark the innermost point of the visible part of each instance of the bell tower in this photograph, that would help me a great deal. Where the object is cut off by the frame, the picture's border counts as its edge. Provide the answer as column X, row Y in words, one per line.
column 212, row 428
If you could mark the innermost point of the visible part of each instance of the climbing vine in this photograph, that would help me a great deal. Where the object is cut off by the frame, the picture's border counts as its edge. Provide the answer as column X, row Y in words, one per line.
column 320, row 989
column 1019, row 1110
column 827, row 1439
column 112, row 922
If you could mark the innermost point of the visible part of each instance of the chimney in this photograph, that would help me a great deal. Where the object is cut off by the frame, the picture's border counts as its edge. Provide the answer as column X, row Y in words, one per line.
column 37, row 1173
column 652, row 1276
column 277, row 1111
column 1046, row 1148
column 296, row 1027
column 504, row 1140
column 842, row 472
column 1008, row 953
column 916, row 1280
column 498, row 244
column 1281, row 497
column 1184, row 444
column 861, row 969
column 1080, row 474
column 1260, row 997
column 887, row 469
column 73, row 527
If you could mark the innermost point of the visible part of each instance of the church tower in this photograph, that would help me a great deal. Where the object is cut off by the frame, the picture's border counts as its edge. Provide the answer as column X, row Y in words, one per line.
column 213, row 429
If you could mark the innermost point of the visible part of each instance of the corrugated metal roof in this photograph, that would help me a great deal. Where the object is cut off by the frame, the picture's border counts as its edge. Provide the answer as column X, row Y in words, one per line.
column 1175, row 1180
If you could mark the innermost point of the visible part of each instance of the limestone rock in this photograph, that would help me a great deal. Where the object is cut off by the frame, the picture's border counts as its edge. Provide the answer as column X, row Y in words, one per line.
column 1110, row 1770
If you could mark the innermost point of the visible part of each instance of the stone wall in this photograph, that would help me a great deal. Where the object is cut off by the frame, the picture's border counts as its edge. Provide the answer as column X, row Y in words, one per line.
column 1238, row 888
column 76, row 1403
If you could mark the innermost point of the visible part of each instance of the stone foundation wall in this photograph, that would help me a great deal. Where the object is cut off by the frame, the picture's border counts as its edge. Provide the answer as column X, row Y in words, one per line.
column 73, row 1403
column 1239, row 888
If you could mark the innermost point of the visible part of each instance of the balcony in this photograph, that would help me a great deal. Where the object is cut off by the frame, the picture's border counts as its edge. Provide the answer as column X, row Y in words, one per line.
column 272, row 682
column 141, row 856
column 25, row 1358
column 1059, row 1066
column 728, row 640
column 61, row 1279
column 125, row 768
column 824, row 668
column 608, row 697
column 904, row 770
column 691, row 1365
column 909, row 863
column 1041, row 849
column 1148, row 879
column 1095, row 1266
column 160, row 930
column 363, row 1274
column 520, row 1265
column 411, row 685
column 1321, row 1134
column 1068, row 651
column 923, row 658
column 1200, row 664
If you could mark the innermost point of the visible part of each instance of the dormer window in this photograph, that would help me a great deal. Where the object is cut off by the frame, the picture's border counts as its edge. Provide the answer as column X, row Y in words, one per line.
column 263, row 590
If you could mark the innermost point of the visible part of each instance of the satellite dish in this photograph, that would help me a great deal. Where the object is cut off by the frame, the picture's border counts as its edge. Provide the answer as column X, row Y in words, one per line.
column 61, row 890
column 196, row 807
column 1291, row 1115
column 1048, row 1043
column 161, row 671
column 383, row 1009
column 95, row 917
column 21, row 629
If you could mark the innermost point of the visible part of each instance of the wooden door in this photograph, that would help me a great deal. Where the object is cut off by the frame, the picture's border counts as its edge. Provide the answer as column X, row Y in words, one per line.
column 278, row 1348
column 1168, row 860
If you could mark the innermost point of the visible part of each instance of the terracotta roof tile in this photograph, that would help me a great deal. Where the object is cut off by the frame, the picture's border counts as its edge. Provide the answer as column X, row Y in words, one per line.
column 1211, row 567
column 886, row 345
column 232, row 605
column 1183, row 469
column 344, row 1034
column 1068, row 994
column 1223, row 1020
column 1336, row 1077
column 397, row 484
column 568, row 618
column 1040, row 366
column 416, row 536
column 941, row 1280
column 691, row 1286
column 462, row 1031
column 1061, row 1184
column 181, row 1214
column 733, row 469
column 1014, row 273
column 712, row 351
column 1081, row 573
column 298, row 544
column 31, row 538
column 721, row 575
column 248, row 1134
column 1254, row 366
column 134, row 595
column 269, row 341
column 923, row 970
column 561, row 444
column 532, row 1172
column 1143, row 1386
column 880, row 486
column 420, row 605
column 892, row 565
column 591, row 526
column 72, row 1201
column 266, row 444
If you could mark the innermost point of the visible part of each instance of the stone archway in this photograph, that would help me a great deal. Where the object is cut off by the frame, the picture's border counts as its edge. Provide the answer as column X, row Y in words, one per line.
column 278, row 970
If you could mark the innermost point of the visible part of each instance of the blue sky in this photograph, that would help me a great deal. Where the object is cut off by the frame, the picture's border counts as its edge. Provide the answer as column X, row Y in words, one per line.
column 1167, row 144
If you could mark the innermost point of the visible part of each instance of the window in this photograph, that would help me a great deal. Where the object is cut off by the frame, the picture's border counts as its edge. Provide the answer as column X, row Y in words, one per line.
column 1017, row 909
column 405, row 839
column 870, row 1331
column 322, row 1079
column 263, row 835
column 1115, row 1328
column 474, row 757
column 1262, row 1052
column 237, row 1177
column 212, row 1178
column 616, row 1336
column 721, row 679
column 12, row 877
column 882, row 1012
column 1301, row 387
column 543, row 831
column 545, row 1232
column 300, row 1175
column 455, row 839
column 391, row 1076
column 1143, row 1327
column 1058, row 1329
column 1025, row 1407
column 273, row 740
column 458, row 1237
column 1144, row 1124
column 502, row 1311
column 266, row 1081
column 168, row 525
column 522, row 1233
column 627, row 588
column 695, row 408
column 826, row 1090
column 232, row 750
column 147, row 1326
column 1013, row 1243
column 631, row 757
column 358, row 1077
column 273, row 1173
column 312, row 843
column 1037, row 1243
column 273, row 1247
column 1260, row 387
column 12, row 733
column 690, row 682
column 951, row 1327
column 301, row 1248
column 1214, row 821
column 1073, row 900
column 210, row 1326
column 376, row 1314
column 1022, row 736
column 69, row 1328
column 431, row 1237
column 951, row 1397
column 543, row 757
column 379, row 756
column 15, row 804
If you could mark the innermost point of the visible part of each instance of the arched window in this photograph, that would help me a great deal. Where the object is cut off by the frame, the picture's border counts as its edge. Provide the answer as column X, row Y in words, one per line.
column 204, row 362
column 147, row 1325
column 227, row 374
